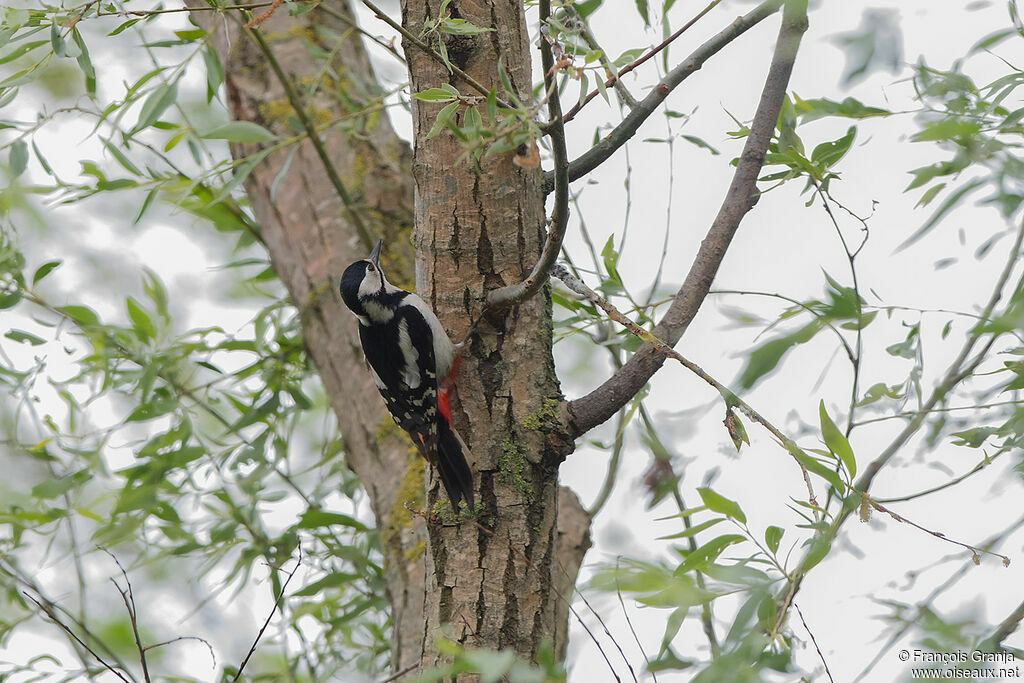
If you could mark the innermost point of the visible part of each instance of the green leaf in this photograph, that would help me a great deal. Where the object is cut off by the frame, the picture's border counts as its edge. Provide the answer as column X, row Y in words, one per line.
column 156, row 104
column 818, row 549
column 829, row 153
column 694, row 530
column 699, row 142
column 644, row 11
column 18, row 160
column 85, row 62
column 836, row 441
column 764, row 358
column 125, row 26
column 772, row 537
column 240, row 131
column 461, row 27
column 721, row 505
column 444, row 117
column 51, row 488
column 707, row 553
column 312, row 519
column 125, row 162
column 941, row 212
column 812, row 110
column 60, row 48
column 141, row 321
column 83, row 315
column 150, row 411
column 332, row 580
column 23, row 336
column 434, row 95
column 815, row 467
column 44, row 270
column 214, row 73
column 628, row 56
column 876, row 43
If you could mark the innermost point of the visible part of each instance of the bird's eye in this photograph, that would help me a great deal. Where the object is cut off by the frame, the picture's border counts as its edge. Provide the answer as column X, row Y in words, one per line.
column 370, row 268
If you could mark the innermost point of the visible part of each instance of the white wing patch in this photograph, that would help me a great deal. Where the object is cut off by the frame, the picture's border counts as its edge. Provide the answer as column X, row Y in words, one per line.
column 411, row 370
column 376, row 378
column 444, row 350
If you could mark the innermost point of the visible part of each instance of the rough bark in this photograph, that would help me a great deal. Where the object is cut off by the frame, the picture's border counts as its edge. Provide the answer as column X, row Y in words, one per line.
column 479, row 228
column 494, row 581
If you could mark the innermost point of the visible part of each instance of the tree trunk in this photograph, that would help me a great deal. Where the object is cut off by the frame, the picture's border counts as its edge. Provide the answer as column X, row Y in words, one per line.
column 479, row 227
column 498, row 577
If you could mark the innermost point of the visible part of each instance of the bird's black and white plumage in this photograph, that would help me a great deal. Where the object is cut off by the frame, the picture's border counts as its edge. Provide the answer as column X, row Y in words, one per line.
column 411, row 359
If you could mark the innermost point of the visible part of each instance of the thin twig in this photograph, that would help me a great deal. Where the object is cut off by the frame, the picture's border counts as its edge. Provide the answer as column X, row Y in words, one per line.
column 613, row 467
column 727, row 394
column 396, row 676
column 314, row 138
column 613, row 78
column 616, row 78
column 511, row 295
column 351, row 23
column 927, row 602
column 952, row 482
column 152, row 12
column 53, row 617
column 937, row 534
column 204, row 641
column 600, row 152
column 128, row 598
column 407, row 35
column 815, row 641
column 280, row 596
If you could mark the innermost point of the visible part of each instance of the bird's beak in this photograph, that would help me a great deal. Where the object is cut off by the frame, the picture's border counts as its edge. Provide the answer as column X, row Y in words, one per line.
column 375, row 254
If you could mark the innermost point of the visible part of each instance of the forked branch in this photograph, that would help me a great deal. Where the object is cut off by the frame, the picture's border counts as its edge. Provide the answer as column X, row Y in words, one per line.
column 600, row 152
column 599, row 405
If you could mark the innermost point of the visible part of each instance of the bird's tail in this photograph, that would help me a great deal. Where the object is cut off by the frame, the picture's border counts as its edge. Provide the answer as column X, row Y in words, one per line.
column 452, row 466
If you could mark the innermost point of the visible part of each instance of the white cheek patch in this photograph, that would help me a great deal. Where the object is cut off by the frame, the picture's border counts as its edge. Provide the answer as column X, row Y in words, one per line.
column 410, row 371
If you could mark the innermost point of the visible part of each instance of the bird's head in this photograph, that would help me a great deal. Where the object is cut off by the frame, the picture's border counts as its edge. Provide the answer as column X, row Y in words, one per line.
column 363, row 282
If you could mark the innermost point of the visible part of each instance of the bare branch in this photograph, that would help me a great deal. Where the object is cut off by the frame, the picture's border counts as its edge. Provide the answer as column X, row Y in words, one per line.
column 616, row 77
column 815, row 641
column 1008, row 626
column 511, row 295
column 600, row 152
column 48, row 610
column 128, row 597
column 277, row 602
column 599, row 405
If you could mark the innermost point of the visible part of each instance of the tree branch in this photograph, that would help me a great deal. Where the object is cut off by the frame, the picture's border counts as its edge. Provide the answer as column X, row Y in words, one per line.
column 616, row 76
column 600, row 152
column 599, row 405
column 511, row 295
column 730, row 398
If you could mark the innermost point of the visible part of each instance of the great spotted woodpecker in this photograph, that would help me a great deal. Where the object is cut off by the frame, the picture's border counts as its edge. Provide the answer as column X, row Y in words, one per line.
column 412, row 362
